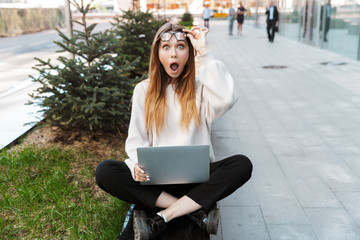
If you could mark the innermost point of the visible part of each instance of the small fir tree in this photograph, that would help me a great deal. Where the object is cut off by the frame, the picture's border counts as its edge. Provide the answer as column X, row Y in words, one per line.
column 187, row 19
column 90, row 91
column 136, row 30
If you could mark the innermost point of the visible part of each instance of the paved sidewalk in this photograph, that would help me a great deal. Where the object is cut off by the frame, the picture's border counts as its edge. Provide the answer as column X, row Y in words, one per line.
column 15, row 116
column 300, row 126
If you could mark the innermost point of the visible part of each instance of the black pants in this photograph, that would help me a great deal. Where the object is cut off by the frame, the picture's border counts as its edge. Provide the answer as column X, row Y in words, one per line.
column 271, row 30
column 206, row 23
column 226, row 176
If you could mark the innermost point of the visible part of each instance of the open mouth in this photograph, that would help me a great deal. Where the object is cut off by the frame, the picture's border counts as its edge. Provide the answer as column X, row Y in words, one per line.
column 174, row 67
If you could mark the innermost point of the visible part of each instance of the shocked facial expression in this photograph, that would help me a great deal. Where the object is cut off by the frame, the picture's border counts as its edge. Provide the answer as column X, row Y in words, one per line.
column 173, row 55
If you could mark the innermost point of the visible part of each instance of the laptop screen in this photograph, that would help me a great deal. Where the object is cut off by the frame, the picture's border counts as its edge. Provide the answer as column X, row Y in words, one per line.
column 175, row 164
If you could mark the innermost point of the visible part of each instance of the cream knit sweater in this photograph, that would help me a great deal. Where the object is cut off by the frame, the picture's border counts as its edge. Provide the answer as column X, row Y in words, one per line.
column 214, row 96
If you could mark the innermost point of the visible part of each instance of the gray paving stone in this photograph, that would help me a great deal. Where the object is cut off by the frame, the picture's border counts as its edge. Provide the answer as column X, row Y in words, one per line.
column 316, row 150
column 352, row 161
column 292, row 122
column 225, row 145
column 258, row 154
column 333, row 224
column 336, row 174
column 262, row 113
column 295, row 167
column 342, row 145
column 344, row 123
column 326, row 129
column 311, row 116
column 351, row 202
column 224, row 124
column 244, row 196
column 277, row 200
column 274, row 130
column 251, row 137
column 243, row 223
column 306, row 138
column 223, row 134
column 314, row 192
column 284, row 146
column 310, row 188
column 291, row 232
column 252, row 126
column 354, row 135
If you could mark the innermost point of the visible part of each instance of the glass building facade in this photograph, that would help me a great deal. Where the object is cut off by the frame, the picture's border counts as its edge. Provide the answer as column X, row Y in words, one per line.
column 329, row 24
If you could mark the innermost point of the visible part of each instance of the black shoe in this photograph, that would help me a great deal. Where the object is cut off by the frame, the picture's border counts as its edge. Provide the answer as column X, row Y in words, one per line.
column 208, row 222
column 149, row 228
column 155, row 226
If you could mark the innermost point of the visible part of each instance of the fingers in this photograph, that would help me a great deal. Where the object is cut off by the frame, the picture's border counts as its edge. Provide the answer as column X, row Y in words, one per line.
column 204, row 30
column 140, row 175
column 197, row 37
column 196, row 31
column 190, row 33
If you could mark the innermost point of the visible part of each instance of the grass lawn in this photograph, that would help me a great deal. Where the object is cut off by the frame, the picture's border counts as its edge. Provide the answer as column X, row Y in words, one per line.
column 50, row 193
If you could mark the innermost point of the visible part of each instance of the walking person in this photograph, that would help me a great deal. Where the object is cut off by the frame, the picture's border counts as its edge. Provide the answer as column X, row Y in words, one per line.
column 240, row 17
column 173, row 108
column 271, row 20
column 206, row 14
column 231, row 19
column 325, row 16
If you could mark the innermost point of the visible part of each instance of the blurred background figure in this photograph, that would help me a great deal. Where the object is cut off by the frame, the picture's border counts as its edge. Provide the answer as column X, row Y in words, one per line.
column 325, row 16
column 240, row 17
column 206, row 15
column 231, row 19
column 271, row 20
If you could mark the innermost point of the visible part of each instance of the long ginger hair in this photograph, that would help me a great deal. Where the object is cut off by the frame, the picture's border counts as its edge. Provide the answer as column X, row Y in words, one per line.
column 156, row 109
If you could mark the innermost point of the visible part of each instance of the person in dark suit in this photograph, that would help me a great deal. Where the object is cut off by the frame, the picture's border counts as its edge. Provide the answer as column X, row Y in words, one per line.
column 325, row 15
column 271, row 20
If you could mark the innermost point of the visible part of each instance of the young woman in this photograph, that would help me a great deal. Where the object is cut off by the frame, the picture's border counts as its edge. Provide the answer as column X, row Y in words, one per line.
column 173, row 108
column 240, row 17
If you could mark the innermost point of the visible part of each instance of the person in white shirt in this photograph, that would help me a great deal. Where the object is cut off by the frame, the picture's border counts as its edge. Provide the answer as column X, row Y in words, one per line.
column 173, row 108
column 231, row 18
column 206, row 14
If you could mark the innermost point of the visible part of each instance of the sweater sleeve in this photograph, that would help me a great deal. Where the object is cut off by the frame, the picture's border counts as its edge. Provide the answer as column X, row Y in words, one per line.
column 218, row 86
column 137, row 133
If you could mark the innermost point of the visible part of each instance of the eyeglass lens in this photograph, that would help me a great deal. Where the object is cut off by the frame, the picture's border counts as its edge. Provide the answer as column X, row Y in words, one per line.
column 180, row 36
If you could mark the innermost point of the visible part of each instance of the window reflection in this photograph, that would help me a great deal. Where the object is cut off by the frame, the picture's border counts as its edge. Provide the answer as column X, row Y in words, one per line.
column 330, row 24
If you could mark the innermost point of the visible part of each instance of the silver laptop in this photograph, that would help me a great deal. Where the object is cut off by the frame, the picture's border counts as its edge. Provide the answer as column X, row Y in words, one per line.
column 175, row 164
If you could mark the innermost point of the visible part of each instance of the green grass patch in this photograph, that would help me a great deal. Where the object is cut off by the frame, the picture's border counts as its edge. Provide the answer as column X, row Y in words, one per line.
column 51, row 194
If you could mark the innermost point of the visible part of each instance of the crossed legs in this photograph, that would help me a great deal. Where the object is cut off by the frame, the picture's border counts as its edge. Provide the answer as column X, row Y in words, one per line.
column 226, row 176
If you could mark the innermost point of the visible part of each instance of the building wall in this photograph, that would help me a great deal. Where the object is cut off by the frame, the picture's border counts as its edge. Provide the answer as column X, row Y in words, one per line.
column 122, row 5
column 335, row 27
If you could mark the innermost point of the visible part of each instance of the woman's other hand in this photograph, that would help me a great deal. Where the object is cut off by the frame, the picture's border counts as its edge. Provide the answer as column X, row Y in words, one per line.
column 197, row 37
column 140, row 175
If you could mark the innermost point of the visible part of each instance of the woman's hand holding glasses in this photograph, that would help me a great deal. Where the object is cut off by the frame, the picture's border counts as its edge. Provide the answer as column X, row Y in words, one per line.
column 197, row 37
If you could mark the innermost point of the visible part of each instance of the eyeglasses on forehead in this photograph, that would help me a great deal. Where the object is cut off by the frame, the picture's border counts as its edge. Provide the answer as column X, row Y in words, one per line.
column 166, row 36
